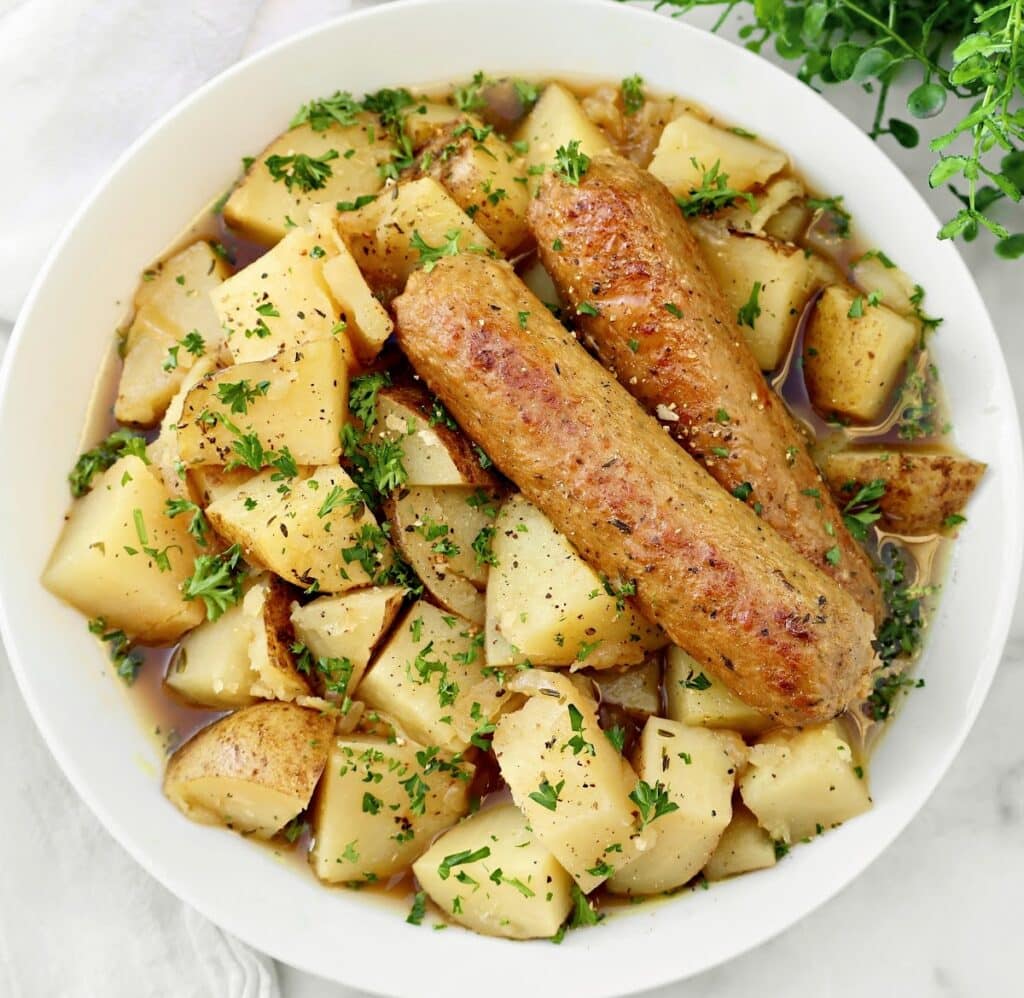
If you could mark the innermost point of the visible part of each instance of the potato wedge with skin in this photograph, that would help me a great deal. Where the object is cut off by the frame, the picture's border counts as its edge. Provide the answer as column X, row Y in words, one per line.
column 519, row 890
column 744, row 846
column 798, row 780
column 173, row 301
column 738, row 261
column 382, row 236
column 855, row 354
column 211, row 666
column 689, row 146
column 434, row 452
column 427, row 673
column 692, row 698
column 636, row 689
column 296, row 401
column 348, row 626
column 697, row 768
column 922, row 490
column 485, row 175
column 253, row 770
column 380, row 803
column 267, row 607
column 556, row 120
column 546, row 605
column 287, row 535
column 264, row 209
column 280, row 301
column 120, row 557
column 568, row 779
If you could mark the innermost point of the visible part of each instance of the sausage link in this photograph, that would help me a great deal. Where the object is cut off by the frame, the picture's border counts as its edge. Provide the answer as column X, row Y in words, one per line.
column 778, row 632
column 662, row 324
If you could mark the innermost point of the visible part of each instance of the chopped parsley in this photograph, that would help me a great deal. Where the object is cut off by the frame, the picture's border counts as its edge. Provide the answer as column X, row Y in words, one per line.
column 126, row 661
column 102, row 456
column 216, row 580
column 713, row 193
column 340, row 109
column 197, row 524
column 633, row 96
column 431, row 255
column 444, row 869
column 237, row 395
column 547, row 795
column 652, row 801
column 307, row 173
column 862, row 510
column 571, row 163
column 747, row 314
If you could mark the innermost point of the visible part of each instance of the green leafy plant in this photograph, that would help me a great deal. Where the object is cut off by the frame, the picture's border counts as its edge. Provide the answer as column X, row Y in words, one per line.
column 963, row 50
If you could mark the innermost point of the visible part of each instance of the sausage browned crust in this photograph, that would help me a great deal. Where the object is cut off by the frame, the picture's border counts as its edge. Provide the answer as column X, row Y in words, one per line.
column 726, row 587
column 618, row 245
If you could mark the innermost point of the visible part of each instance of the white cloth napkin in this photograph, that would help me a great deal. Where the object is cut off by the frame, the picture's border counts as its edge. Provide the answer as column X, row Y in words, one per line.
column 79, row 80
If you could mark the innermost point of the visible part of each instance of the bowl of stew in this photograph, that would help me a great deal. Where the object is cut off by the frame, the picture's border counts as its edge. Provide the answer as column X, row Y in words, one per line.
column 551, row 487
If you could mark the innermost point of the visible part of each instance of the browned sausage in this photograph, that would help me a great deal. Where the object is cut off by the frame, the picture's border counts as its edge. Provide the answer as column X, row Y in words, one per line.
column 725, row 586
column 624, row 250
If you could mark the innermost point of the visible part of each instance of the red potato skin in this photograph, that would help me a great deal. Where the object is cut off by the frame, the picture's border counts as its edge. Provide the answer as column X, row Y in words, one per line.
column 626, row 249
column 778, row 632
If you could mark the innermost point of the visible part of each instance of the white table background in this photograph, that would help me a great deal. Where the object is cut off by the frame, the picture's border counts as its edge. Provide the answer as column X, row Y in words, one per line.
column 939, row 914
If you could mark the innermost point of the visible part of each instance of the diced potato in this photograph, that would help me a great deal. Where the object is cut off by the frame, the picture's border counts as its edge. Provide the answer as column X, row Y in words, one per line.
column 435, row 528
column 546, row 605
column 427, row 118
column 426, row 673
column 211, row 666
column 753, row 218
column 381, row 235
column 737, row 262
column 349, row 626
column 798, row 783
column 517, row 889
column 569, row 780
column 689, row 146
column 253, row 770
column 433, row 453
column 120, row 556
column 264, row 209
column 875, row 273
column 692, row 698
column 379, row 805
column 853, row 364
column 287, row 535
column 296, row 401
column 267, row 608
column 922, row 489
column 485, row 176
column 368, row 322
column 556, row 120
column 173, row 301
column 279, row 302
column 636, row 690
column 696, row 768
column 744, row 846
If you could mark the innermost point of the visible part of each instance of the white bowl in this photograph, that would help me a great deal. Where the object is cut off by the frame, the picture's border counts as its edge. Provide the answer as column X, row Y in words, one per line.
column 80, row 297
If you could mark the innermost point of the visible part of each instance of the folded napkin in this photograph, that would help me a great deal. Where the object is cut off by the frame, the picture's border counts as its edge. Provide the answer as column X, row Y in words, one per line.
column 80, row 81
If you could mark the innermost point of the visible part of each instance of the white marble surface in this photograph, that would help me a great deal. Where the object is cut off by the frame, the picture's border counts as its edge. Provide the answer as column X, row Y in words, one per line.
column 938, row 914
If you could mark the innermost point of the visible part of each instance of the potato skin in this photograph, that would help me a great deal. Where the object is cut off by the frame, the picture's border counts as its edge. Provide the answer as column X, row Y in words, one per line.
column 783, row 636
column 922, row 489
column 627, row 252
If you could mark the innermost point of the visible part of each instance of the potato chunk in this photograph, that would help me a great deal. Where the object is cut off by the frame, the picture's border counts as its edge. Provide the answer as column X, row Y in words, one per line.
column 568, row 779
column 122, row 558
column 636, row 689
column 800, row 782
column 783, row 275
column 517, row 889
column 428, row 677
column 275, row 677
column 279, row 302
column 211, row 666
column 689, row 146
column 253, row 770
column 697, row 769
column 296, row 401
column 744, row 846
column 855, row 354
column 546, row 605
column 263, row 208
column 172, row 302
column 485, row 176
column 434, row 452
column 388, row 236
column 556, row 120
column 287, row 534
column 875, row 272
column 694, row 699
column 379, row 805
column 923, row 490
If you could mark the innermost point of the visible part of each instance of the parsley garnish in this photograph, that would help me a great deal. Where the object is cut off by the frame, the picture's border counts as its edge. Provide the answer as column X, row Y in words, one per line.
column 431, row 255
column 862, row 510
column 633, row 96
column 834, row 207
column 341, row 109
column 126, row 662
column 102, row 456
column 713, row 193
column 570, row 163
column 307, row 173
column 419, row 908
column 444, row 870
column 547, row 795
column 748, row 313
column 652, row 801
column 238, row 394
column 217, row 581
column 698, row 682
column 197, row 524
